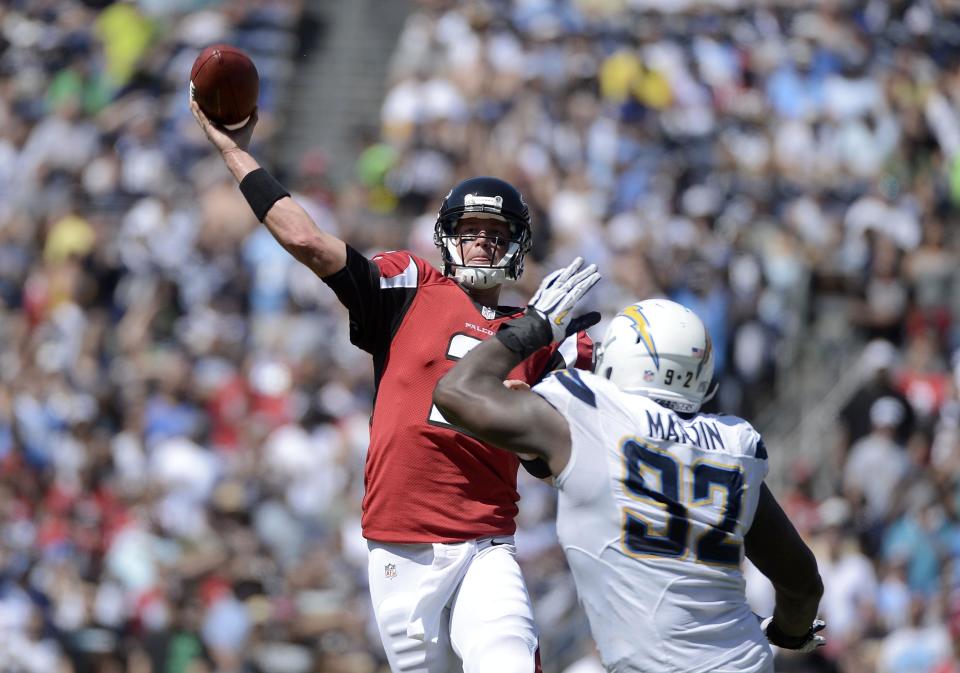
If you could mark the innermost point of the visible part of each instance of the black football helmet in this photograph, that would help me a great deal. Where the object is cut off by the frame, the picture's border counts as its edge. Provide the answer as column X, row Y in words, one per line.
column 483, row 197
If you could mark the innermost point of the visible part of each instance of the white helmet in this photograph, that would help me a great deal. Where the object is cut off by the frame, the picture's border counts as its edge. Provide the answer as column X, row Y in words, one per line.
column 660, row 349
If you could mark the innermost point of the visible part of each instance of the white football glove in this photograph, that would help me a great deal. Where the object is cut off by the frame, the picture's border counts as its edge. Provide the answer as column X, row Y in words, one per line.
column 559, row 293
column 803, row 644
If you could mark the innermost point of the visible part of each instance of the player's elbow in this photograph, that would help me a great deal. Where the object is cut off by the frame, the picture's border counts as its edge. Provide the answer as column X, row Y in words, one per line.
column 458, row 402
column 449, row 395
column 310, row 249
column 814, row 587
column 304, row 246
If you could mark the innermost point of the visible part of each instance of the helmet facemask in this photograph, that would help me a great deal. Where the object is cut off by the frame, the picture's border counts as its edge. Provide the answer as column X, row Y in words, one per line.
column 507, row 268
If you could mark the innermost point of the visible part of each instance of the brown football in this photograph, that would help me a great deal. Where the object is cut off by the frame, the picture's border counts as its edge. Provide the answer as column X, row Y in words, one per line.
column 225, row 84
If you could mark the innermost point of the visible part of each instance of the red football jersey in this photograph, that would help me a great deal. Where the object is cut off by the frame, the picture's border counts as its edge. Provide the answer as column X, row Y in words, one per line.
column 425, row 481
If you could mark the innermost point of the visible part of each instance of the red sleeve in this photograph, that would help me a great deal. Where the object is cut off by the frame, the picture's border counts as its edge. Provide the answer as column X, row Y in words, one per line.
column 584, row 352
column 572, row 352
column 398, row 266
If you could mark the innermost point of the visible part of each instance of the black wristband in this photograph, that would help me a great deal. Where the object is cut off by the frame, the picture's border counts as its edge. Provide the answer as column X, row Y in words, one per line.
column 781, row 639
column 261, row 190
column 526, row 334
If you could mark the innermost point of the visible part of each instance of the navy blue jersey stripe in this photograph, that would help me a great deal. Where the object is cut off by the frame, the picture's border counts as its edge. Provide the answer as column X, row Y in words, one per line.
column 570, row 379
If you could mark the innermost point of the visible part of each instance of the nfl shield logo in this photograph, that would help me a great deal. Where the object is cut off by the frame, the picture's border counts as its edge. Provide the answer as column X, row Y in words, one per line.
column 648, row 376
column 390, row 571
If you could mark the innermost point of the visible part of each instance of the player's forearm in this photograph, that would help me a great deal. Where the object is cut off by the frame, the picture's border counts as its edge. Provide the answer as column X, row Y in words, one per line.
column 299, row 235
column 796, row 606
column 777, row 550
column 239, row 162
column 290, row 224
column 472, row 394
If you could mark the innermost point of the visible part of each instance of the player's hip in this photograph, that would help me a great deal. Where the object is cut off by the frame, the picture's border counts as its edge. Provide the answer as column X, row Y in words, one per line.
column 737, row 647
column 752, row 656
column 418, row 560
column 422, row 581
column 391, row 522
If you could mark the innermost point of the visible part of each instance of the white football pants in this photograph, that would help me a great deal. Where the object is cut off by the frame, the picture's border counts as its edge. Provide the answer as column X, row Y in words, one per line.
column 432, row 601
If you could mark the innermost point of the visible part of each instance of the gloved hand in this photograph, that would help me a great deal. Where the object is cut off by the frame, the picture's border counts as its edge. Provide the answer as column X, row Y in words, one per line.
column 548, row 317
column 804, row 644
column 559, row 292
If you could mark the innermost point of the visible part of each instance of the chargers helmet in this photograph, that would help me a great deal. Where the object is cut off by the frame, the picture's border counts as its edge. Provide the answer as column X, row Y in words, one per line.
column 483, row 197
column 662, row 350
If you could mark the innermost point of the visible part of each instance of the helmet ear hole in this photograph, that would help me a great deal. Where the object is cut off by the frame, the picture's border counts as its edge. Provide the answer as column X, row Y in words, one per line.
column 608, row 372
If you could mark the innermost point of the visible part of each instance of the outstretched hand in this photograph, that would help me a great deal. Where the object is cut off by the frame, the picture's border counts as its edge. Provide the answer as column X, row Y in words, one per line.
column 548, row 317
column 223, row 139
column 559, row 293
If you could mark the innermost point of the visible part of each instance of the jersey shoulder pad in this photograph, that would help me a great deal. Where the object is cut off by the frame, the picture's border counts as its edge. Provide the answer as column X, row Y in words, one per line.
column 401, row 260
column 566, row 383
column 749, row 441
column 398, row 269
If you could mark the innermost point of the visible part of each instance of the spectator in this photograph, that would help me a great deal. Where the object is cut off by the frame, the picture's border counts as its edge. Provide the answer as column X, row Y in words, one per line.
column 789, row 170
column 878, row 366
column 877, row 464
column 848, row 576
column 915, row 647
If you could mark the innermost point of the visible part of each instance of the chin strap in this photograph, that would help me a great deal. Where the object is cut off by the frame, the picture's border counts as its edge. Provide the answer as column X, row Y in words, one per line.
column 479, row 277
column 710, row 393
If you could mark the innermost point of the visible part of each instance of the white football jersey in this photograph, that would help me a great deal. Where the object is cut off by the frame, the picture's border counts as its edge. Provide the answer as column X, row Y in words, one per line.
column 652, row 513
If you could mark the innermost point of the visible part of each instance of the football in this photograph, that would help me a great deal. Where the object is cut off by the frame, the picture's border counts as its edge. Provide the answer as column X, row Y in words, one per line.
column 225, row 84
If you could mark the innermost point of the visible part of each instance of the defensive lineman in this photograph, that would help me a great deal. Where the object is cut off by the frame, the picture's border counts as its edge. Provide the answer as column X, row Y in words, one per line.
column 657, row 502
column 439, row 507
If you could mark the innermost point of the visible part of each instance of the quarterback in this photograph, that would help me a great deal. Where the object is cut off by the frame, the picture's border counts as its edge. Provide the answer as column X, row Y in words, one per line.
column 439, row 505
column 657, row 502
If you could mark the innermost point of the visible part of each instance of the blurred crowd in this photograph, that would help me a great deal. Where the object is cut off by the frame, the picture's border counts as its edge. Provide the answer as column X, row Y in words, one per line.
column 183, row 422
